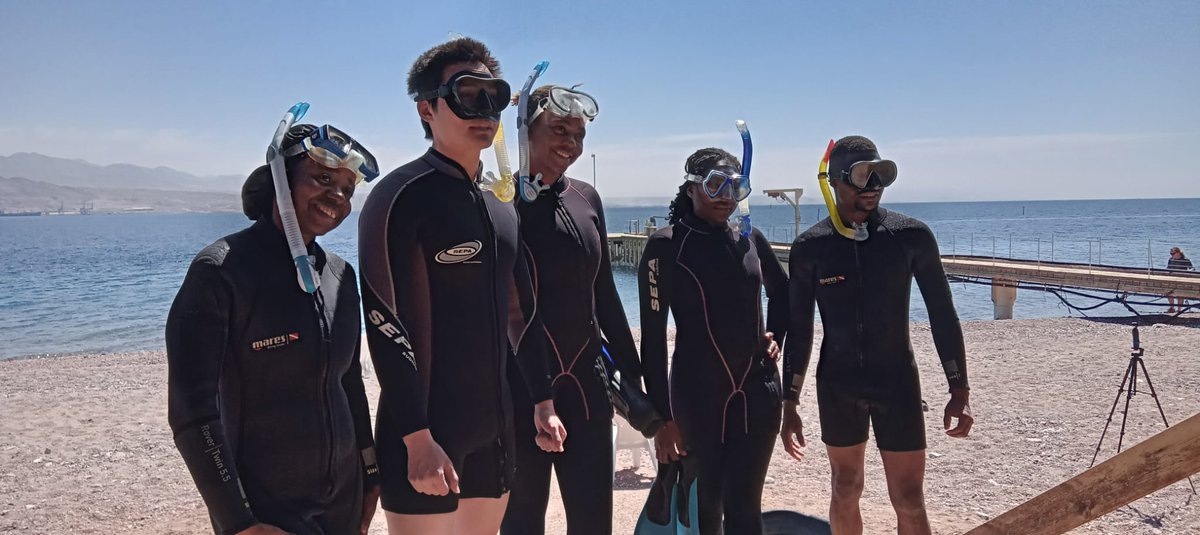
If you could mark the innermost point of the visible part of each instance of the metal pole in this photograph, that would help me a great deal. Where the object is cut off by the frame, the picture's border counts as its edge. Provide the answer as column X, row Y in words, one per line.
column 1051, row 246
column 1039, row 249
column 593, row 169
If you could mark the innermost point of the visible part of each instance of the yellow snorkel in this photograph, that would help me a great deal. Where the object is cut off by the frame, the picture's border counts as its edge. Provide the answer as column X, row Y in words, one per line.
column 503, row 187
column 834, row 217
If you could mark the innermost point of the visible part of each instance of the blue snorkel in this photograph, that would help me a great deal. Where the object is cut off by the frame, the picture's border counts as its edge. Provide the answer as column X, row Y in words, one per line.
column 305, row 272
column 530, row 187
column 743, row 221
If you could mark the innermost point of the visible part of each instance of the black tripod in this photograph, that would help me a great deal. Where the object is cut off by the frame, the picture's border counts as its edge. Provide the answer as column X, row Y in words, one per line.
column 1131, row 378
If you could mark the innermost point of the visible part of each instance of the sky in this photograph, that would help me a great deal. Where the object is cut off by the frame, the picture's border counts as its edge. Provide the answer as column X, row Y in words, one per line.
column 973, row 100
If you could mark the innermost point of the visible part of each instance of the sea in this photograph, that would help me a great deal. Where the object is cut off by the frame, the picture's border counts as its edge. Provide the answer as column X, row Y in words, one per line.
column 103, row 283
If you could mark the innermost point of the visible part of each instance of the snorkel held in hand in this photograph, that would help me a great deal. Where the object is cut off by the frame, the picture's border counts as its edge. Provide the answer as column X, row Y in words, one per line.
column 743, row 222
column 834, row 216
column 530, row 187
column 305, row 272
column 502, row 187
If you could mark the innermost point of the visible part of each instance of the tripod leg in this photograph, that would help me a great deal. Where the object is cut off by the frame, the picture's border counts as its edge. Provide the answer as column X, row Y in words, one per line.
column 1154, row 395
column 1125, row 411
column 1120, row 390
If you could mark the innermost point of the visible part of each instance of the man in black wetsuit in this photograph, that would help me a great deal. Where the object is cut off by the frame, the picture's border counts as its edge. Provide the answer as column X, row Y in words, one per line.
column 867, row 373
column 440, row 259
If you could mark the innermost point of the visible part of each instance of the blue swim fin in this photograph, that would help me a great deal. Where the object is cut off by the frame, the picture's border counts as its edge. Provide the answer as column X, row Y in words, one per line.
column 687, row 515
column 658, row 515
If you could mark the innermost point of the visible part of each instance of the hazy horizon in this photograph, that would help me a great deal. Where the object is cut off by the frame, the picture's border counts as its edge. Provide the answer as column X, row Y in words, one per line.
column 975, row 101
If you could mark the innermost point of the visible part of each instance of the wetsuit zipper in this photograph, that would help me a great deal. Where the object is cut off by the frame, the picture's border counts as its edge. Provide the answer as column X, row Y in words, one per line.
column 319, row 301
column 858, row 306
column 481, row 205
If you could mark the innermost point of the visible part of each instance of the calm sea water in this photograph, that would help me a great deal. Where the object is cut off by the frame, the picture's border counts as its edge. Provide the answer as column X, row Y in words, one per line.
column 105, row 282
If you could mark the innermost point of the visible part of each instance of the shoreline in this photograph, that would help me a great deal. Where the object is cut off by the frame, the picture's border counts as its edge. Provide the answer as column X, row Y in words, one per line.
column 84, row 445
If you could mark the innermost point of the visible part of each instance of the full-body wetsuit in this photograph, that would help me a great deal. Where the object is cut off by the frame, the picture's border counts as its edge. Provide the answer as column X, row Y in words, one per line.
column 440, row 259
column 724, row 393
column 566, row 245
column 867, row 370
column 265, row 390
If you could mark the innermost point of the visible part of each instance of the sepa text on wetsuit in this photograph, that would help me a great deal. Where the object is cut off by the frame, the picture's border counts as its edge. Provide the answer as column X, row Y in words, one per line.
column 439, row 260
column 265, row 390
column 566, row 244
column 867, row 366
column 724, row 393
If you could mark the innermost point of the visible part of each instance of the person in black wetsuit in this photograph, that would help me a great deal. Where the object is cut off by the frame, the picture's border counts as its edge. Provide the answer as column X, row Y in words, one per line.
column 265, row 389
column 440, row 259
column 724, row 397
column 566, row 245
column 867, row 373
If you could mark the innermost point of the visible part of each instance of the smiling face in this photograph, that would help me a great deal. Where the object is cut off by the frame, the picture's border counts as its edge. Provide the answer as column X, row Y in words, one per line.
column 452, row 134
column 555, row 143
column 321, row 196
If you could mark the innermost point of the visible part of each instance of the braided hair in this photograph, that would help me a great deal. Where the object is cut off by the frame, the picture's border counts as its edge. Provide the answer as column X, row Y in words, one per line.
column 699, row 163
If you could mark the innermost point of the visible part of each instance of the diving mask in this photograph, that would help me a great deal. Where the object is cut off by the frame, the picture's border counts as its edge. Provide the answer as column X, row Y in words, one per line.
column 565, row 102
column 472, row 95
column 717, row 183
column 333, row 148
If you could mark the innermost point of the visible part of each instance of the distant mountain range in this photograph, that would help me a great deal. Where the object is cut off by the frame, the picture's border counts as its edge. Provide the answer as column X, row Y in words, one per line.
column 79, row 173
column 47, row 184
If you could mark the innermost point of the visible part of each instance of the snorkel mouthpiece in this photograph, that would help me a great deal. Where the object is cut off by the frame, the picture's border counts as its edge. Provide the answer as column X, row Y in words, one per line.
column 530, row 187
column 834, row 217
column 305, row 271
column 743, row 221
column 501, row 187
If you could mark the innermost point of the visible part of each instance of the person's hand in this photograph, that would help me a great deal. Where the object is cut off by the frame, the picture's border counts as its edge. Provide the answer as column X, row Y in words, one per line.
column 429, row 469
column 550, row 430
column 959, row 407
column 772, row 346
column 263, row 529
column 668, row 444
column 792, row 431
column 370, row 502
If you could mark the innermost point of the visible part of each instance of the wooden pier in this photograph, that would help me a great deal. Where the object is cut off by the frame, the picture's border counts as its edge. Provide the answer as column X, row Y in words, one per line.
column 1004, row 274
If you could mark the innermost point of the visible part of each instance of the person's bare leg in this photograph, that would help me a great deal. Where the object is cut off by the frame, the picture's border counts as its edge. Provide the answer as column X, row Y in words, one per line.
column 845, row 517
column 479, row 516
column 905, row 471
column 399, row 524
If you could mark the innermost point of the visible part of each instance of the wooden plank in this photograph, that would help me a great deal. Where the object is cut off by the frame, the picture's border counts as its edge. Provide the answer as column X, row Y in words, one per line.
column 1149, row 466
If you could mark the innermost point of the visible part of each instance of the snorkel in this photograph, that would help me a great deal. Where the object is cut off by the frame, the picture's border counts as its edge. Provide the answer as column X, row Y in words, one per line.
column 502, row 188
column 530, row 187
column 305, row 273
column 859, row 234
column 743, row 221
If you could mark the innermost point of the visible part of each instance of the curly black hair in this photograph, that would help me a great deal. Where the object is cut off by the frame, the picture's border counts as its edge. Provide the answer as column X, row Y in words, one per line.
column 699, row 163
column 426, row 72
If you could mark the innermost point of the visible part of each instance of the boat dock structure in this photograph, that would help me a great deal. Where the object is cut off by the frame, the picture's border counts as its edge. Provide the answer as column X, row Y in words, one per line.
column 1004, row 275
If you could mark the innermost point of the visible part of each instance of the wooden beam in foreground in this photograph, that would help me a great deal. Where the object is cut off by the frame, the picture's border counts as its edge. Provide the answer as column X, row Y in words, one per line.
column 1151, row 465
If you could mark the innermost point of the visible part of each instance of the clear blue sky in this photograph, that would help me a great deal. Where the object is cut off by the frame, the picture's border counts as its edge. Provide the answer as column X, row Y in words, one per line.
column 974, row 100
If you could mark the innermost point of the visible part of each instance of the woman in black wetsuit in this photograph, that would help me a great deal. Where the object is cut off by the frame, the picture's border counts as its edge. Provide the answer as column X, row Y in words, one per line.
column 566, row 246
column 265, row 392
column 724, row 397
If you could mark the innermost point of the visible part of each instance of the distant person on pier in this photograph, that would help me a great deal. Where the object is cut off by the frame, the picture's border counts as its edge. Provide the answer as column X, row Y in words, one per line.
column 1177, row 262
column 859, row 274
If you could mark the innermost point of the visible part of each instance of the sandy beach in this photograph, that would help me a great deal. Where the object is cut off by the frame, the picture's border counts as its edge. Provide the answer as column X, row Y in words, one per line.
column 85, row 447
